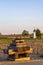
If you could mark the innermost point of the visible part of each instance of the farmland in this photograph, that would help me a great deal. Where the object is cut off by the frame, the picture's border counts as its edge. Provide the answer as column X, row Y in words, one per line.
column 36, row 44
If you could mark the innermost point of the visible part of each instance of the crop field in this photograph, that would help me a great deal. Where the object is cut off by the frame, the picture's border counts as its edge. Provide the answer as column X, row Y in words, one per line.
column 36, row 44
column 7, row 40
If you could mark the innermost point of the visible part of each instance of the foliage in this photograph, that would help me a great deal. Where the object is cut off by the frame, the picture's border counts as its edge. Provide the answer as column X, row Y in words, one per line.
column 25, row 33
column 38, row 33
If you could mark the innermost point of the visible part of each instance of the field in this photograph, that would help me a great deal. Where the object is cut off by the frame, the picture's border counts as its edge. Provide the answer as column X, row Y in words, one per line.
column 35, row 44
column 5, row 40
column 8, row 40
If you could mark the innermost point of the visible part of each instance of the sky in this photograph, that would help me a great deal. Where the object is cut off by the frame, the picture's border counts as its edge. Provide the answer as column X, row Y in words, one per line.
column 19, row 15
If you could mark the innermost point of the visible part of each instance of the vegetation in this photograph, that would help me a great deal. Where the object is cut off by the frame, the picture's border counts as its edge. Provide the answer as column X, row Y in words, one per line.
column 36, row 44
column 7, row 40
column 38, row 33
column 25, row 33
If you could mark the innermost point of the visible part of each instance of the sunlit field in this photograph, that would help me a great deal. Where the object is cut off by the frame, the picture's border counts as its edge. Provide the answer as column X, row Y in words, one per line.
column 8, row 40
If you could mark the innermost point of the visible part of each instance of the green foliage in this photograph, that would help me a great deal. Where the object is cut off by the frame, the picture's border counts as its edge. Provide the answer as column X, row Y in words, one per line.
column 25, row 33
column 38, row 33
column 7, row 40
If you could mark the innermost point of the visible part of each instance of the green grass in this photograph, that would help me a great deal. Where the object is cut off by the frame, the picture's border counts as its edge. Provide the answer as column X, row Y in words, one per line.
column 32, row 40
column 9, row 40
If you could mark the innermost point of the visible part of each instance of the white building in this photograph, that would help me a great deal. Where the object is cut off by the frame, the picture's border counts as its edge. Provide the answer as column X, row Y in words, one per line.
column 34, row 33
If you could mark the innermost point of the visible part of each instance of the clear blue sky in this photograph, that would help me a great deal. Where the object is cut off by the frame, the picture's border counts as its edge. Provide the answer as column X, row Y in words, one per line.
column 17, row 15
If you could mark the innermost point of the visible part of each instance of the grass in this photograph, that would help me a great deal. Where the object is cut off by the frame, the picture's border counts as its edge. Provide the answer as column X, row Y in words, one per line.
column 9, row 40
column 32, row 40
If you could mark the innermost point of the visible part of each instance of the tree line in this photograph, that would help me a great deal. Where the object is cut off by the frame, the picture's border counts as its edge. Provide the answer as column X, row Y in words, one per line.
column 38, row 33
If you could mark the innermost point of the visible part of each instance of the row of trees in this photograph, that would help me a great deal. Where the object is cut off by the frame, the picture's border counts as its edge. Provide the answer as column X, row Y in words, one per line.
column 38, row 33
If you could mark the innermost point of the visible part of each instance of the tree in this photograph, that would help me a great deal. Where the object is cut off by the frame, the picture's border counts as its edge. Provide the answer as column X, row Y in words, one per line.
column 38, row 33
column 25, row 33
